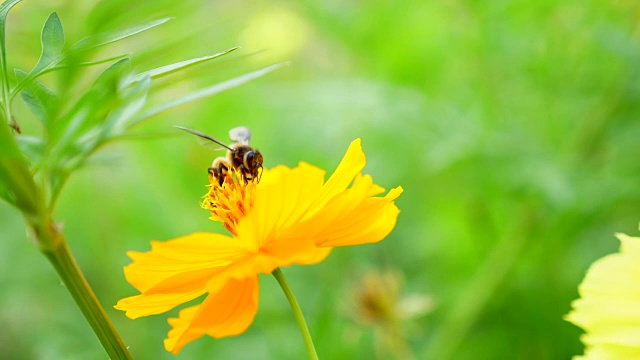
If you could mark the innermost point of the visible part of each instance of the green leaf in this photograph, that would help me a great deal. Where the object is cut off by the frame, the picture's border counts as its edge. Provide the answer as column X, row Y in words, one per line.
column 52, row 39
column 134, row 99
column 39, row 99
column 210, row 91
column 4, row 11
column 110, row 79
column 170, row 69
column 91, row 63
column 91, row 109
column 114, row 35
column 116, row 70
column 32, row 147
column 86, row 44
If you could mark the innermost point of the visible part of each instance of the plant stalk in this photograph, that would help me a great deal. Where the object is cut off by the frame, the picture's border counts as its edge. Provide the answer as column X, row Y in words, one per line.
column 297, row 312
column 62, row 260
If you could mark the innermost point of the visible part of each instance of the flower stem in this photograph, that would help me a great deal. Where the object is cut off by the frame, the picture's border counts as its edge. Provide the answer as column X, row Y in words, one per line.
column 297, row 312
column 68, row 270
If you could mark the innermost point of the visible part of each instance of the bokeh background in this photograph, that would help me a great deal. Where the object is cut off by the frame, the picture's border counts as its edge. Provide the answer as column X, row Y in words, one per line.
column 512, row 126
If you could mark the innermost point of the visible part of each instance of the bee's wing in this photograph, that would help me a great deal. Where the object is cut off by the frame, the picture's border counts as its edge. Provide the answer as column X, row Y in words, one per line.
column 210, row 145
column 206, row 140
column 240, row 134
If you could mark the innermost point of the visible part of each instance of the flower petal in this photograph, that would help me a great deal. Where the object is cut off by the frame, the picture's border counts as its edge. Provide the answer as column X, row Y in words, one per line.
column 294, row 213
column 369, row 222
column 177, row 271
column 281, row 200
column 284, row 195
column 145, row 305
column 295, row 246
column 609, row 304
column 227, row 312
column 352, row 163
column 179, row 265
column 353, row 217
column 180, row 335
column 258, row 263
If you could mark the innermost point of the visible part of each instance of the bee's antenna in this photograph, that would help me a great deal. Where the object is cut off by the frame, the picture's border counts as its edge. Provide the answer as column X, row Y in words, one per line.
column 204, row 136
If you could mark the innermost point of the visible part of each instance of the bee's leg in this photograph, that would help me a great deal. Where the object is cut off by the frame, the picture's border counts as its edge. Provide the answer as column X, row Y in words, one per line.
column 219, row 169
column 243, row 172
column 221, row 173
column 246, row 175
column 214, row 173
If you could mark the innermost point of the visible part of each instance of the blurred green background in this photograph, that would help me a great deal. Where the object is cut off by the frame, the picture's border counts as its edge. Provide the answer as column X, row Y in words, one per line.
column 512, row 126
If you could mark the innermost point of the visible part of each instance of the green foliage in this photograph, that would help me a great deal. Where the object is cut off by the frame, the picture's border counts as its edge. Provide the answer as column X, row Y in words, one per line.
column 40, row 99
column 105, row 112
column 210, row 91
column 108, row 37
column 52, row 38
column 53, row 42
column 4, row 11
column 34, row 167
column 512, row 127
column 170, row 69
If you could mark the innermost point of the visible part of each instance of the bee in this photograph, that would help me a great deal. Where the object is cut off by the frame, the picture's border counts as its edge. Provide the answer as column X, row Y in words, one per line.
column 240, row 156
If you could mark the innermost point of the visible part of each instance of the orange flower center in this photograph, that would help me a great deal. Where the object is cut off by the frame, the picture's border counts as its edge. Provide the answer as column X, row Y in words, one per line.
column 230, row 201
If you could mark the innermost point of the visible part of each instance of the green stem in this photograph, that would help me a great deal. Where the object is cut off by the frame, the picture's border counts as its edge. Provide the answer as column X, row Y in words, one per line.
column 6, row 101
column 60, row 257
column 297, row 312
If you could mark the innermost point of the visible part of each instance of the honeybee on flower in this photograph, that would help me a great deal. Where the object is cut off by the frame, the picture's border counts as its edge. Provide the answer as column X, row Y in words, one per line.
column 282, row 217
column 240, row 156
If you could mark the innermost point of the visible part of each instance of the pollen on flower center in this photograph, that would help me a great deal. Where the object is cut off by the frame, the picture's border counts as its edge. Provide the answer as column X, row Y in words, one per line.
column 230, row 201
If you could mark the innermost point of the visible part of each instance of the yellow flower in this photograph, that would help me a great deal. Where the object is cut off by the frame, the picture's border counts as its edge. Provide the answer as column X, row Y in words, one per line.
column 292, row 216
column 609, row 305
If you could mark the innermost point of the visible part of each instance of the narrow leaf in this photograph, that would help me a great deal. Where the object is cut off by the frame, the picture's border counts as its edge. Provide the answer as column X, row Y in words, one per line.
column 52, row 39
column 114, row 35
column 91, row 63
column 212, row 90
column 4, row 10
column 169, row 69
column 39, row 99
column 91, row 110
column 110, row 80
column 86, row 44
column 135, row 98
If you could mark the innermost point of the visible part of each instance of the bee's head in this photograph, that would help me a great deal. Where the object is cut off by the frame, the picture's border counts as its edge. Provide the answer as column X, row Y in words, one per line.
column 253, row 160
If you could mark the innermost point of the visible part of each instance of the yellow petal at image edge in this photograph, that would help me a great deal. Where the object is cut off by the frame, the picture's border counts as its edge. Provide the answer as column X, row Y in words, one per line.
column 609, row 305
column 228, row 312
